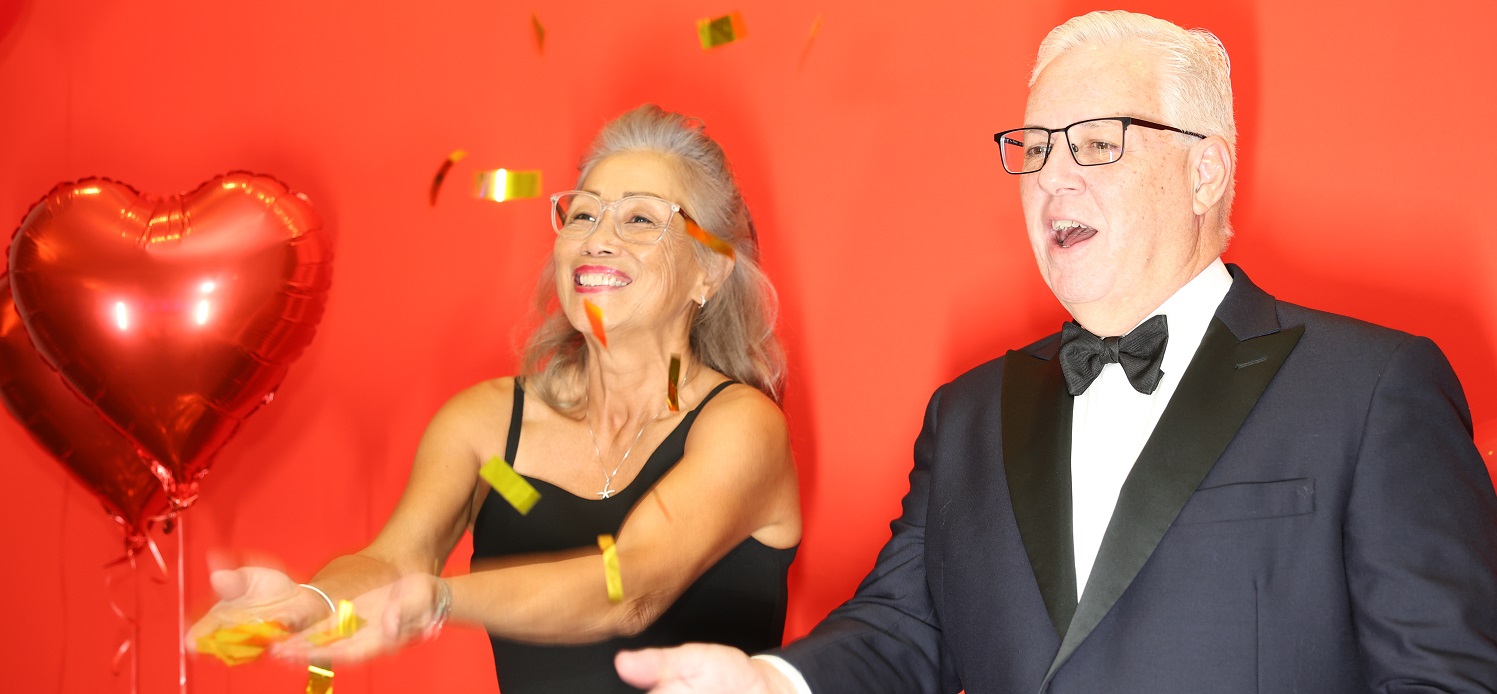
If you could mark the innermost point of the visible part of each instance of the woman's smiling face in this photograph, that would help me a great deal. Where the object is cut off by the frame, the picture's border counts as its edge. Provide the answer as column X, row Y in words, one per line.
column 645, row 286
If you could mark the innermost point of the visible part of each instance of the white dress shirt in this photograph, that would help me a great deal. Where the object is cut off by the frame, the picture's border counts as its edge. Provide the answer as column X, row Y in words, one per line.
column 1112, row 421
column 1110, row 424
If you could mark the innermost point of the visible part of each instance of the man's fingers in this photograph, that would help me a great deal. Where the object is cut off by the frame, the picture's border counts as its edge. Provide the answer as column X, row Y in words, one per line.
column 643, row 669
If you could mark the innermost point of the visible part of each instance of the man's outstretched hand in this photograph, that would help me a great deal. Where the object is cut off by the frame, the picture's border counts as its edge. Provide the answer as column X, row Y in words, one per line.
column 699, row 668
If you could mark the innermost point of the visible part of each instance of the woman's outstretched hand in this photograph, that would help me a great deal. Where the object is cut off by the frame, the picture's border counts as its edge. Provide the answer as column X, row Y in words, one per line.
column 396, row 615
column 256, row 594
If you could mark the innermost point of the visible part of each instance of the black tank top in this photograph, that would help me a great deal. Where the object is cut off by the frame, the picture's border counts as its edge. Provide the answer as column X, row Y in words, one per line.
column 739, row 601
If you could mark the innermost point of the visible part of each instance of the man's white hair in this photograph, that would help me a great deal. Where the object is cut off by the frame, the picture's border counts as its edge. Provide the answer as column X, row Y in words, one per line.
column 1195, row 74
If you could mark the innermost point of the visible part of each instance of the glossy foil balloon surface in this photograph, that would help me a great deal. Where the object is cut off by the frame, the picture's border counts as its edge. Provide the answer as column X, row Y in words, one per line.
column 176, row 317
column 100, row 458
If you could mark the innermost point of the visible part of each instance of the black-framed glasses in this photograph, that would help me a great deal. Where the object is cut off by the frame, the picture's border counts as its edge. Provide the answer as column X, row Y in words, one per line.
column 1093, row 142
column 636, row 218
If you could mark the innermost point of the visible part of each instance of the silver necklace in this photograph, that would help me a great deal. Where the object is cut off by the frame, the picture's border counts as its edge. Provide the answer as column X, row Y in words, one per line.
column 608, row 489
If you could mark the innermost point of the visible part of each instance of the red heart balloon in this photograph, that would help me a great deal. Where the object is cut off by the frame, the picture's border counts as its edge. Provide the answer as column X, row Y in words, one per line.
column 100, row 458
column 176, row 317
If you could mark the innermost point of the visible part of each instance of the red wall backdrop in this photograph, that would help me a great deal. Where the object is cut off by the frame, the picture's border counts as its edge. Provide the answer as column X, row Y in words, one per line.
column 1366, row 187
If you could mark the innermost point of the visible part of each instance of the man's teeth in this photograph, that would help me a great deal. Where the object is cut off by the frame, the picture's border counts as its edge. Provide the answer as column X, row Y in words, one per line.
column 1070, row 232
column 599, row 279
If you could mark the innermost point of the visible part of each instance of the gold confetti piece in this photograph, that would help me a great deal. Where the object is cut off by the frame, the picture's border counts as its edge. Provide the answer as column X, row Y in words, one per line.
column 595, row 317
column 717, row 31
column 710, row 240
column 811, row 39
column 671, row 393
column 271, row 631
column 348, row 624
column 500, row 185
column 611, row 569
column 320, row 677
column 510, row 484
column 436, row 183
column 540, row 33
column 241, row 643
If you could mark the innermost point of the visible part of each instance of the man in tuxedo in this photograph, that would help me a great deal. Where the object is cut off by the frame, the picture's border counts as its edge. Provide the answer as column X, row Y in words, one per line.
column 1234, row 494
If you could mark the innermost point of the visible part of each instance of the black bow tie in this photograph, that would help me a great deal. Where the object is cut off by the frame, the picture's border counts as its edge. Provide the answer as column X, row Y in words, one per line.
column 1082, row 355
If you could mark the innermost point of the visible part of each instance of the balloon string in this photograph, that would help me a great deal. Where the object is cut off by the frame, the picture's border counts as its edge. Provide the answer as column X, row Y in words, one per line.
column 160, row 563
column 62, row 572
column 181, row 605
column 133, row 626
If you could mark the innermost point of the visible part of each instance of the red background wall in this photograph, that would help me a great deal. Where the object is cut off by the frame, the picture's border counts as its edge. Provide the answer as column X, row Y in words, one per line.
column 1365, row 188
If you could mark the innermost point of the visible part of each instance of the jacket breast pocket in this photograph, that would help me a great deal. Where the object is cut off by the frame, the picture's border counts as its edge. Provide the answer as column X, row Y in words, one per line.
column 1249, row 501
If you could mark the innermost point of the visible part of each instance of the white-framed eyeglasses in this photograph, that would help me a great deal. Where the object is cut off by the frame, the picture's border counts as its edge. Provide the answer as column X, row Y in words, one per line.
column 575, row 214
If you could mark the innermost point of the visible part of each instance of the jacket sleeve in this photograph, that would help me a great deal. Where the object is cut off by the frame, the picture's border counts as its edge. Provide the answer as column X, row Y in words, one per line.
column 1421, row 534
column 887, row 638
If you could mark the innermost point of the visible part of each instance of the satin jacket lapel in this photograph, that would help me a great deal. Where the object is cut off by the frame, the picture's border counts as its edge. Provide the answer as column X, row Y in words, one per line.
column 1226, row 377
column 1036, row 459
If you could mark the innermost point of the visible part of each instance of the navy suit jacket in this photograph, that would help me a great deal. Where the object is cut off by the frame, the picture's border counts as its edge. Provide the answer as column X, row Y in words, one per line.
column 1309, row 515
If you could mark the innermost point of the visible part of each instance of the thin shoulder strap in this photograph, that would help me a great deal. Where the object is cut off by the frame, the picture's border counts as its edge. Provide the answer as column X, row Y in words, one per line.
column 516, row 414
column 713, row 393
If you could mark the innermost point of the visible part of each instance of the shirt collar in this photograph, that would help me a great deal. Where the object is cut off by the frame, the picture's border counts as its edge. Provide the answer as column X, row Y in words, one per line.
column 1189, row 311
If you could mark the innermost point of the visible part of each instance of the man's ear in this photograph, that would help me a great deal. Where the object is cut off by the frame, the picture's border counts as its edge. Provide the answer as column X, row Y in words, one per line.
column 1210, row 172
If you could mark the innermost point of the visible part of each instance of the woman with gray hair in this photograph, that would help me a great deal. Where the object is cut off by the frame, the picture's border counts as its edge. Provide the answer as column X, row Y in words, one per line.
column 645, row 418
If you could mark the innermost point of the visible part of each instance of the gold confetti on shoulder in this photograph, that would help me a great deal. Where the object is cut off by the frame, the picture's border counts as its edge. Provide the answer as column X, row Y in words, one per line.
column 500, row 185
column 718, row 31
column 510, row 484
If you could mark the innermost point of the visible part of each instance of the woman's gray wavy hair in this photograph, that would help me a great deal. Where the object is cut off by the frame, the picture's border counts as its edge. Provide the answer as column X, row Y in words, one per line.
column 1195, row 76
column 734, row 333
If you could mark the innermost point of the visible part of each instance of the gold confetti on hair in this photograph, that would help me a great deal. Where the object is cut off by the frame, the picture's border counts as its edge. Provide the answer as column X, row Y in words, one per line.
column 710, row 240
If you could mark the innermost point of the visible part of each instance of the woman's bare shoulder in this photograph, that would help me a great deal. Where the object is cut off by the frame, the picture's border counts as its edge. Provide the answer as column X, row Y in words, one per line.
column 743, row 401
column 485, row 404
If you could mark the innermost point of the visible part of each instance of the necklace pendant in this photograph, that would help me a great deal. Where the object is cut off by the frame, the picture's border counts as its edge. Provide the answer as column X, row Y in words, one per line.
column 606, row 493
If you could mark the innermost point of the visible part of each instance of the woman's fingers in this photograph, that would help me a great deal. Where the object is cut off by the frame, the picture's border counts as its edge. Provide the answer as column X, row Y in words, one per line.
column 230, row 584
